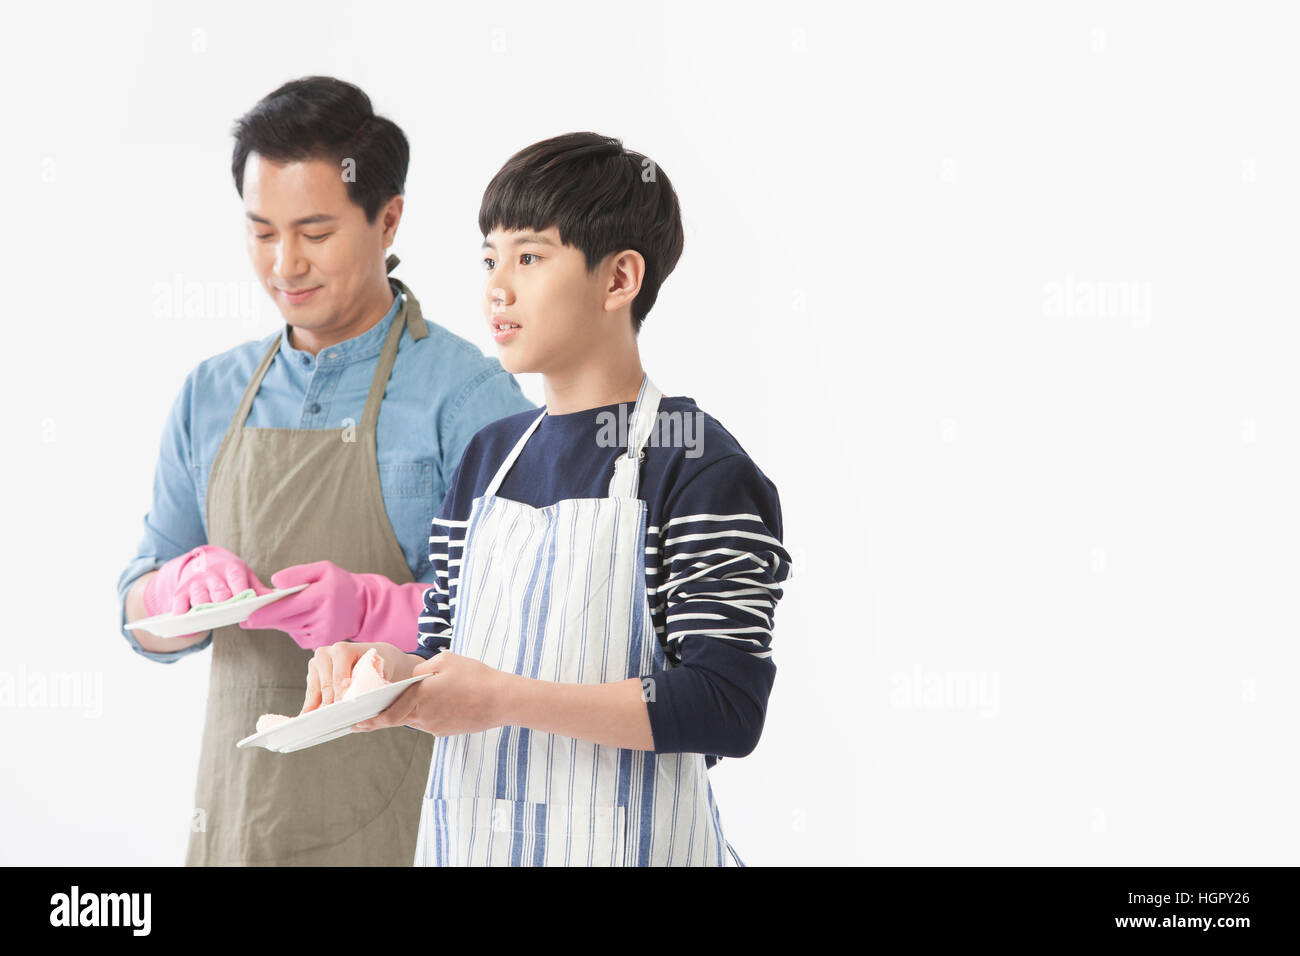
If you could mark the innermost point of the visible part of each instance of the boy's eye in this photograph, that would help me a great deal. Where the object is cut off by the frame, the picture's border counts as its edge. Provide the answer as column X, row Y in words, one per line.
column 528, row 255
column 263, row 235
column 489, row 264
column 318, row 238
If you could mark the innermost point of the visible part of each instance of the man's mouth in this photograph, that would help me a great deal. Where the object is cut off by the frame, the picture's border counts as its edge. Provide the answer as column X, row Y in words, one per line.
column 298, row 295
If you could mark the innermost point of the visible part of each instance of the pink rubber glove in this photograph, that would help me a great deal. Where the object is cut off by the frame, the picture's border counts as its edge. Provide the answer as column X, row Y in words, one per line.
column 338, row 605
column 207, row 573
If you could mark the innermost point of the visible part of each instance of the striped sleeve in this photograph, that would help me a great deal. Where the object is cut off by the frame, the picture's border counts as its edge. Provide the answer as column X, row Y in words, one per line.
column 717, row 580
column 721, row 561
column 446, row 547
column 446, row 554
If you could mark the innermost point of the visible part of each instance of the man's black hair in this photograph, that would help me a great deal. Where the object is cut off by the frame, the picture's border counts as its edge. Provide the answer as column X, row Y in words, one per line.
column 320, row 117
column 601, row 198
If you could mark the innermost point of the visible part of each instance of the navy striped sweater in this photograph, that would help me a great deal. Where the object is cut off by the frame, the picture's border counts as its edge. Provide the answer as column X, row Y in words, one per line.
column 714, row 558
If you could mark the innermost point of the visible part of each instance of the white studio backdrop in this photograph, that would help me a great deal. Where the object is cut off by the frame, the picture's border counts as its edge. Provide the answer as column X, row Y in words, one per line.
column 1000, row 296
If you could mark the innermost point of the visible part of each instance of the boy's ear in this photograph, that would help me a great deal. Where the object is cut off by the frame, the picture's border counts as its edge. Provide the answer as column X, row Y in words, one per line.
column 624, row 275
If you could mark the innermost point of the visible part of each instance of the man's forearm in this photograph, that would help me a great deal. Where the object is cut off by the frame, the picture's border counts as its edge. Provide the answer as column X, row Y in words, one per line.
column 612, row 714
column 392, row 611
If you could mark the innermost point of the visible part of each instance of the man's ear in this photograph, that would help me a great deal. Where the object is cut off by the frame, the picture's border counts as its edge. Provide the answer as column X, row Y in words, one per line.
column 624, row 275
column 390, row 216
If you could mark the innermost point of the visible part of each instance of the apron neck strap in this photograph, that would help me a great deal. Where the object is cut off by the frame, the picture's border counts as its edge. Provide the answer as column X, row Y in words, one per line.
column 500, row 476
column 410, row 313
column 409, row 317
column 246, row 403
column 379, row 384
column 627, row 468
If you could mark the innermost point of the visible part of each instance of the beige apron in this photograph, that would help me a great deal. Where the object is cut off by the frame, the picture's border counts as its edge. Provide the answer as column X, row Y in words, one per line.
column 279, row 497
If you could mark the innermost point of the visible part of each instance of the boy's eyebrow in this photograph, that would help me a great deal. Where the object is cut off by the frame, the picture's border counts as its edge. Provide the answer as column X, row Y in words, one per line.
column 304, row 221
column 533, row 237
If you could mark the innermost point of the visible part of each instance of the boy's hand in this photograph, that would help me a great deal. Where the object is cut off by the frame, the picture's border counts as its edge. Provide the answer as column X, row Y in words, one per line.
column 463, row 696
column 329, row 672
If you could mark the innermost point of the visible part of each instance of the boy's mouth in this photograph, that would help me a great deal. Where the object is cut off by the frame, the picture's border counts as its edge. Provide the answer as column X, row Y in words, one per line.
column 502, row 329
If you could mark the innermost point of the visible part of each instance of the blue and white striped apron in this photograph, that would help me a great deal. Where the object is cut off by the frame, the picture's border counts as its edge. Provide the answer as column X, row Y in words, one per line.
column 559, row 594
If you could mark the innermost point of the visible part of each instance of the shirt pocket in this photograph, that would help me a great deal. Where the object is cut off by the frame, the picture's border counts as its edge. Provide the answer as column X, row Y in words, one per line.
column 408, row 498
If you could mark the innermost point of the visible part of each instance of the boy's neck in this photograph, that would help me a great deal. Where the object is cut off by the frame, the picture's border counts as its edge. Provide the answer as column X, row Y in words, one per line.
column 602, row 380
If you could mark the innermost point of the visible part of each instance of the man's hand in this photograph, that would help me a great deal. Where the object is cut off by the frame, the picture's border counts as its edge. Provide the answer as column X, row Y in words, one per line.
column 338, row 605
column 330, row 609
column 200, row 575
column 462, row 696
column 329, row 672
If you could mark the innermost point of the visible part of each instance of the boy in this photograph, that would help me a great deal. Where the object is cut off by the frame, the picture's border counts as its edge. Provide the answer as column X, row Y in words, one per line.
column 598, row 631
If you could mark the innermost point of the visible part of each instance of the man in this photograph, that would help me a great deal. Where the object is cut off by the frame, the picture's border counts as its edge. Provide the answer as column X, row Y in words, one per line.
column 316, row 456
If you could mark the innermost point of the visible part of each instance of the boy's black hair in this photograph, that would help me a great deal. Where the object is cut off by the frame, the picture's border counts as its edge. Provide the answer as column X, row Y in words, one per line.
column 320, row 117
column 601, row 198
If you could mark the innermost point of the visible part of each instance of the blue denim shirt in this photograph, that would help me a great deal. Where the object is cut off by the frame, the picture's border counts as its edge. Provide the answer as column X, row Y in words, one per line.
column 441, row 391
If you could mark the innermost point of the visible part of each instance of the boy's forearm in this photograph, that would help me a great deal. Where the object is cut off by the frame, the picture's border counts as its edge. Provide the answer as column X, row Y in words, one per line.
column 612, row 714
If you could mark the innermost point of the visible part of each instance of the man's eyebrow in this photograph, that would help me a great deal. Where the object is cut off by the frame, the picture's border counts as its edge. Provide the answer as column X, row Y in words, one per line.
column 304, row 221
column 534, row 237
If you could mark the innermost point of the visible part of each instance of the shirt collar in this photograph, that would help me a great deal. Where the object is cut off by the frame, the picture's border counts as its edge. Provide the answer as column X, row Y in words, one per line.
column 364, row 346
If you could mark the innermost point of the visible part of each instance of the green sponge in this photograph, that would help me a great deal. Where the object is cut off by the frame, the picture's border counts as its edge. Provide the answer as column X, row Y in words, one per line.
column 241, row 596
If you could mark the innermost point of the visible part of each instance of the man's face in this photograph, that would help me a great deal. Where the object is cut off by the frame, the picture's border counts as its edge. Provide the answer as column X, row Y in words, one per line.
column 535, row 282
column 306, row 236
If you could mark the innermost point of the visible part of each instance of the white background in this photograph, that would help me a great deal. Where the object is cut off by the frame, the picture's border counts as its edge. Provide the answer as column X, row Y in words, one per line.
column 1002, row 300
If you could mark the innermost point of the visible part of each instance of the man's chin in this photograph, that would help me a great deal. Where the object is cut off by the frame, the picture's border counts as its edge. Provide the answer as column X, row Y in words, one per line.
column 299, row 319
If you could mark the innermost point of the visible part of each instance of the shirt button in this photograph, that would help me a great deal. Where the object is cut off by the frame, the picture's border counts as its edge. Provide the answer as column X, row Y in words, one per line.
column 315, row 407
column 306, row 360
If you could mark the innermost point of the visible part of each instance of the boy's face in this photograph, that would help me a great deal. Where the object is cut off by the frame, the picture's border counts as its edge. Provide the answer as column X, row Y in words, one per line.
column 542, row 286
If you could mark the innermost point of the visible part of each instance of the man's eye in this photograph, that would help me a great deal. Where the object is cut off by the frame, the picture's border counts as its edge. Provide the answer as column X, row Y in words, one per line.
column 318, row 238
column 489, row 264
column 528, row 255
column 263, row 235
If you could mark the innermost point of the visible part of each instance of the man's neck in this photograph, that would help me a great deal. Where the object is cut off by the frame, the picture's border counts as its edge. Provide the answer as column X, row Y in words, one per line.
column 365, row 318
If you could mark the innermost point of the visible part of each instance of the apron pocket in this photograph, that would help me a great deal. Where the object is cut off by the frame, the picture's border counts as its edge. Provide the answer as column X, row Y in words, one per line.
column 468, row 831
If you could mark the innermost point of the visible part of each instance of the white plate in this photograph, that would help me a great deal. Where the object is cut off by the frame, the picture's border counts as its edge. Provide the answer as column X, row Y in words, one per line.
column 328, row 722
column 192, row 621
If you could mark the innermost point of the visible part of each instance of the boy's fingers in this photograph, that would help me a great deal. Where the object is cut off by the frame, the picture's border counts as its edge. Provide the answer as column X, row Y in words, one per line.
column 344, row 656
column 324, row 668
column 312, row 700
column 343, row 662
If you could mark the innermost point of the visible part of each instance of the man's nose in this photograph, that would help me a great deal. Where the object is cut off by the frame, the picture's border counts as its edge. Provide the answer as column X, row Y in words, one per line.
column 289, row 261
